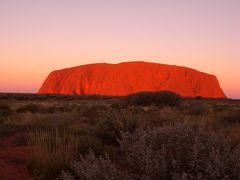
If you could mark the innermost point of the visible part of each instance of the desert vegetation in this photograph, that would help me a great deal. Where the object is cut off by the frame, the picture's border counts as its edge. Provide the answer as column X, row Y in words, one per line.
column 141, row 136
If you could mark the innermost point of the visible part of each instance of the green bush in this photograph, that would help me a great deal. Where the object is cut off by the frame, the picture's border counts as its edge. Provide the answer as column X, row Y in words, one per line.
column 162, row 98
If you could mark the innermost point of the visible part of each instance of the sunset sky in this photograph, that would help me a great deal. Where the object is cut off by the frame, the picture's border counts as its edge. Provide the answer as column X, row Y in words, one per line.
column 37, row 37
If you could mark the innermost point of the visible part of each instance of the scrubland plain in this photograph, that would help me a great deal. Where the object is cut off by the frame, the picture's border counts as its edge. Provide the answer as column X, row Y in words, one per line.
column 141, row 136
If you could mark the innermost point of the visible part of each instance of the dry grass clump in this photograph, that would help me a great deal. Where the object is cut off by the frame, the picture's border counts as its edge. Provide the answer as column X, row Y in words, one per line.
column 52, row 151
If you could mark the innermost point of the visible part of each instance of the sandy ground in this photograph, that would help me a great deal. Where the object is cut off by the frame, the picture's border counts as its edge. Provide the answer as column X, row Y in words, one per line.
column 13, row 157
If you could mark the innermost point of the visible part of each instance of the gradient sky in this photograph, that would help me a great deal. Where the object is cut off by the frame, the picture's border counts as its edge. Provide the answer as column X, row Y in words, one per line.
column 37, row 37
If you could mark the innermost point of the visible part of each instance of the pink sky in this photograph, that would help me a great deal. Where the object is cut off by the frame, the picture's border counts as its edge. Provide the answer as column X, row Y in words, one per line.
column 37, row 37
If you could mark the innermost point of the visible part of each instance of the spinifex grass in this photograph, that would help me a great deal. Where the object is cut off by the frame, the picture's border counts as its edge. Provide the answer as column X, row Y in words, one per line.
column 52, row 151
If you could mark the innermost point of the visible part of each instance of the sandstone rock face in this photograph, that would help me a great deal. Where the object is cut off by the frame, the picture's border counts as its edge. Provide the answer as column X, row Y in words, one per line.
column 130, row 77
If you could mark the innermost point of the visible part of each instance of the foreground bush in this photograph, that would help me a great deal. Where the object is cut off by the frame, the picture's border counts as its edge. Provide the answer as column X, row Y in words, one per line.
column 162, row 98
column 92, row 168
column 179, row 152
column 176, row 152
column 52, row 150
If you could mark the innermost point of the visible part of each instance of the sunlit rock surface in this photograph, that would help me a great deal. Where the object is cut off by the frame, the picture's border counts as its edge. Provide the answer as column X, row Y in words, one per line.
column 130, row 77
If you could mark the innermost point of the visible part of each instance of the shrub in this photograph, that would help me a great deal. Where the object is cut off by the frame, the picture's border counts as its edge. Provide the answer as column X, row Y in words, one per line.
column 89, row 141
column 92, row 168
column 180, row 151
column 162, row 98
column 169, row 115
column 197, row 109
column 198, row 97
column 5, row 112
column 49, row 109
column 36, row 108
column 231, row 117
column 221, row 107
column 20, row 140
column 33, row 108
column 65, row 108
column 6, row 129
column 108, row 122
column 111, row 123
column 52, row 151
column 107, row 131
column 175, row 152
column 95, row 113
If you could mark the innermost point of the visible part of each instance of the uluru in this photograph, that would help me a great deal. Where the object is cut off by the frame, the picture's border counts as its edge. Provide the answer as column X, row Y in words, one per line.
column 131, row 77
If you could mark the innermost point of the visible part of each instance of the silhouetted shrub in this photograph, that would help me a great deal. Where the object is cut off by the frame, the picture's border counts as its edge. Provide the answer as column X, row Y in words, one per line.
column 162, row 98
column 5, row 112
column 198, row 97
column 33, row 108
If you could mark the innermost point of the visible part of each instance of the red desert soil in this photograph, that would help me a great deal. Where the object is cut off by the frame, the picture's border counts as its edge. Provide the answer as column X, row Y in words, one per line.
column 130, row 77
column 13, row 157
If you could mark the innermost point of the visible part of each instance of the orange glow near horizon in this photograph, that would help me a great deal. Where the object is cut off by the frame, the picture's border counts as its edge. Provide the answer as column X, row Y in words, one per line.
column 37, row 37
